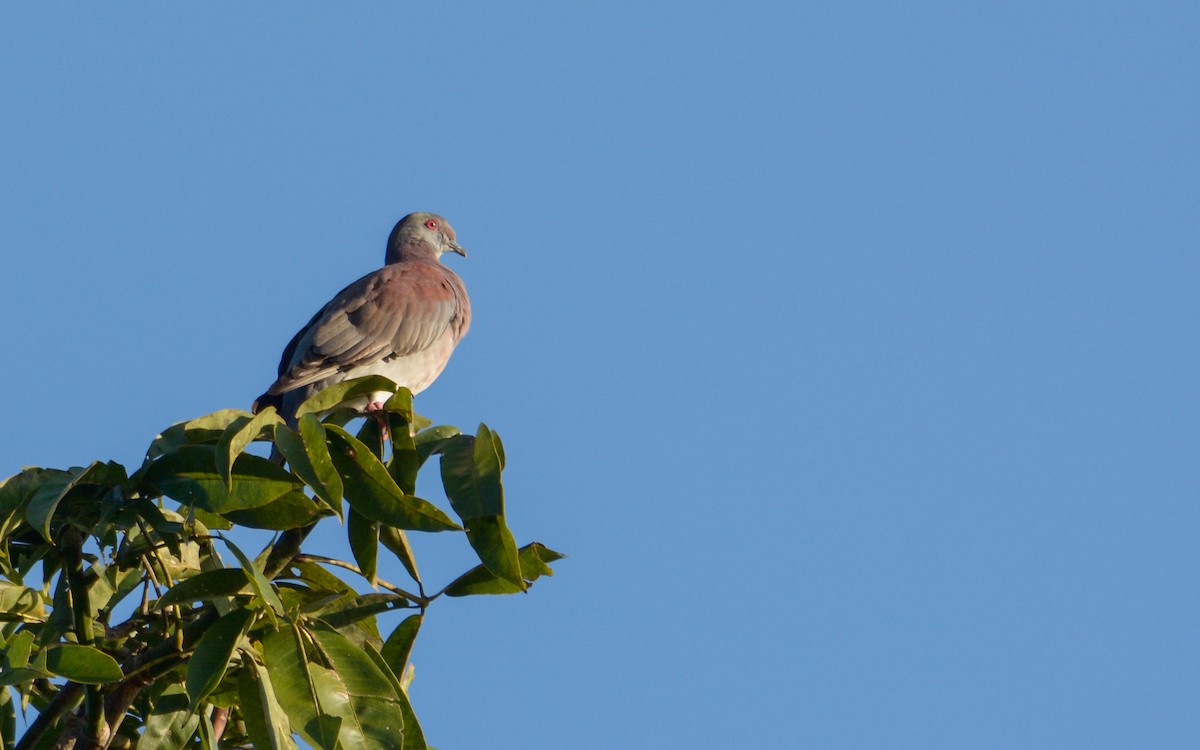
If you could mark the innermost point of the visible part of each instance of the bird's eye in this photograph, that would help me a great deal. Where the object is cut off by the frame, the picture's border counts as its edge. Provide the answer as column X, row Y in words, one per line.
column 431, row 224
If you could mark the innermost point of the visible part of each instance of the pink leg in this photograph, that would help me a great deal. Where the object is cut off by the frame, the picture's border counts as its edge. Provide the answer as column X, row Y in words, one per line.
column 376, row 408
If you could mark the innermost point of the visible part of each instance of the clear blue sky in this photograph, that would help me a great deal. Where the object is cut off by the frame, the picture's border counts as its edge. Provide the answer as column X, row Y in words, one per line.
column 848, row 349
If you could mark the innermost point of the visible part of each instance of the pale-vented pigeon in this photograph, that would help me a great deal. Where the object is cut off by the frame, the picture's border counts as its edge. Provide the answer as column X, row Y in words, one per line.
column 402, row 321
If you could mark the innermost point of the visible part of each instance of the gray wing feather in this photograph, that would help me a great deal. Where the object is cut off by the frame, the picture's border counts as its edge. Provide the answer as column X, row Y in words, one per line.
column 398, row 310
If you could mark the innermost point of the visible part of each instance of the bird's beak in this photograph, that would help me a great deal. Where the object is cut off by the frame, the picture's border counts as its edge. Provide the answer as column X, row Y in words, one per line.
column 458, row 248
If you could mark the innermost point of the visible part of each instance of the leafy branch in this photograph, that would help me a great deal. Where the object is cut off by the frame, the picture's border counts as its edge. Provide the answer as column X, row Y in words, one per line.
column 240, row 652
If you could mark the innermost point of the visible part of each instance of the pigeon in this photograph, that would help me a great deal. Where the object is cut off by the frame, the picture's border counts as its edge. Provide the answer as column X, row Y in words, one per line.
column 402, row 322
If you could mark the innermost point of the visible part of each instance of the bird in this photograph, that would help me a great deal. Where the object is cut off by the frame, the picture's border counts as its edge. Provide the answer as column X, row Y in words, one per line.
column 402, row 321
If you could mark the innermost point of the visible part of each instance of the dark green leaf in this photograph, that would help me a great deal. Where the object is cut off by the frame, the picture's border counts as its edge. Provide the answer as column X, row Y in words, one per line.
column 482, row 438
column 266, row 722
column 342, row 613
column 45, row 499
column 414, row 738
column 308, row 456
column 240, row 433
column 363, row 534
column 471, row 476
column 431, row 441
column 479, row 580
column 203, row 587
column 18, row 488
column 399, row 644
column 258, row 581
column 397, row 541
column 83, row 664
column 293, row 510
column 319, row 578
column 496, row 547
column 328, row 398
column 8, row 720
column 189, row 475
column 401, row 405
column 372, row 491
column 208, row 663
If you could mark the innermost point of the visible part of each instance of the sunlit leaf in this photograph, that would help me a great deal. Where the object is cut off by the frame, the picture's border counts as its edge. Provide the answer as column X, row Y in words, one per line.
column 328, row 398
column 21, row 600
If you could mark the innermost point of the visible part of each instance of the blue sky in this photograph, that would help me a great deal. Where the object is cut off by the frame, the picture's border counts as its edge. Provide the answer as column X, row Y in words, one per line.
column 848, row 349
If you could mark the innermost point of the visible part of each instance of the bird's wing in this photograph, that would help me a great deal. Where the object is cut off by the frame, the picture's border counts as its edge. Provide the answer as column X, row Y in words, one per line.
column 398, row 310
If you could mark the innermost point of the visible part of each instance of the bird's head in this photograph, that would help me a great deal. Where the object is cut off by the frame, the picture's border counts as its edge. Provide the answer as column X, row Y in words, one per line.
column 422, row 235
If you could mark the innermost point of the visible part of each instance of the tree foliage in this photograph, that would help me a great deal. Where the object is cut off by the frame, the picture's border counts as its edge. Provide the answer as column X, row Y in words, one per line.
column 130, row 618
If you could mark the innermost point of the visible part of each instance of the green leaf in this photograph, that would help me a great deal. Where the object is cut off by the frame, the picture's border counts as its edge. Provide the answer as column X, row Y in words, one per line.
column 18, row 488
column 45, row 500
column 308, row 456
column 471, row 476
column 534, row 559
column 170, row 725
column 372, row 491
column 266, row 722
column 190, row 476
column 371, row 717
column 283, row 654
column 496, row 547
column 293, row 510
column 398, row 646
column 328, row 398
column 20, row 600
column 83, row 664
column 319, row 578
column 16, row 651
column 397, row 541
column 414, row 738
column 260, row 584
column 342, row 613
column 8, row 720
column 239, row 434
column 203, row 587
column 431, row 441
column 208, row 663
column 363, row 534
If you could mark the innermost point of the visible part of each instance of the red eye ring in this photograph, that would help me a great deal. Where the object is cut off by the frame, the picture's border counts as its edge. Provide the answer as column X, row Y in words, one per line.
column 430, row 224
